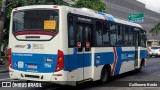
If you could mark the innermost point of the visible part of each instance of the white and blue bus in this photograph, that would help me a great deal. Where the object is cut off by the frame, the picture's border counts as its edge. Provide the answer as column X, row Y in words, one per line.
column 61, row 44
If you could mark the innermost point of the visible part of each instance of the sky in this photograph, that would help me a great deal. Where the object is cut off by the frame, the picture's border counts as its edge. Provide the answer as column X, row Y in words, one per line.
column 153, row 5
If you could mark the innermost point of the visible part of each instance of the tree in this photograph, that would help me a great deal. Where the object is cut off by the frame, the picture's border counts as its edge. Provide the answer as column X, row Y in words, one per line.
column 97, row 5
column 0, row 3
column 155, row 30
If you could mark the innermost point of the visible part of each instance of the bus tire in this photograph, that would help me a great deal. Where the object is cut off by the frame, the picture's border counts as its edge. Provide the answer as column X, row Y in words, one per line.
column 104, row 76
column 150, row 55
column 28, row 81
column 141, row 66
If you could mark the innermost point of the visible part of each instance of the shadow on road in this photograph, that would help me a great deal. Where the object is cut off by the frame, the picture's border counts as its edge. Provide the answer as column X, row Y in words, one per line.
column 88, row 85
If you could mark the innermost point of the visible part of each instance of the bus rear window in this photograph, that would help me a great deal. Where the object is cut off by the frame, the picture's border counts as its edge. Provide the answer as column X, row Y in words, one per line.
column 35, row 20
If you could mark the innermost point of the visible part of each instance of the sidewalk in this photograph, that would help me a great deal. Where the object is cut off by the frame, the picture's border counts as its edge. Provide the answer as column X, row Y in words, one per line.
column 4, row 67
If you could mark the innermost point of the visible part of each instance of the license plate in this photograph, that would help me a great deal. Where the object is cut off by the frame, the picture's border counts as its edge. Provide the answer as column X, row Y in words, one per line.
column 32, row 66
column 20, row 64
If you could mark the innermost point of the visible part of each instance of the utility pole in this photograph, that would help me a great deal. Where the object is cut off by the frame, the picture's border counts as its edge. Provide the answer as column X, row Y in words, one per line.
column 2, row 23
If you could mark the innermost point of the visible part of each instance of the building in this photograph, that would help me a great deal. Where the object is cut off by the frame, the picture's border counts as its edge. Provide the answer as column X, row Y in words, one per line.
column 151, row 43
column 122, row 8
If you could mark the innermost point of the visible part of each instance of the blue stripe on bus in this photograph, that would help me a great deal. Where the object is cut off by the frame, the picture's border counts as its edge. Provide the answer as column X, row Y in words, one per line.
column 103, row 58
column 109, row 17
column 73, row 61
column 108, row 57
column 40, row 60
column 76, row 61
column 87, row 60
column 143, row 54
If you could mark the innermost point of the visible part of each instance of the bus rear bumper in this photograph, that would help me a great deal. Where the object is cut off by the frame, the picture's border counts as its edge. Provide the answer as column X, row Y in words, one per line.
column 56, row 77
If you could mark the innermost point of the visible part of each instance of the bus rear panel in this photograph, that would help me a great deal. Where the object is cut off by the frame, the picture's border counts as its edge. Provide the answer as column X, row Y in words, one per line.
column 34, row 50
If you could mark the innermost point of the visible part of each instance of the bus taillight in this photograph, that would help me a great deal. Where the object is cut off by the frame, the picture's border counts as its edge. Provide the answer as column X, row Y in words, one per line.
column 10, row 57
column 60, row 61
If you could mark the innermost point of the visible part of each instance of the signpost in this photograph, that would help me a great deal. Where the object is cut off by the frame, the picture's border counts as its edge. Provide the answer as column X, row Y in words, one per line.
column 136, row 17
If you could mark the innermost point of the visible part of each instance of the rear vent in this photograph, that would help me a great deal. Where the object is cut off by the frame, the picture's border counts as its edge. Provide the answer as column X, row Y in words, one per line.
column 32, row 76
column 32, row 37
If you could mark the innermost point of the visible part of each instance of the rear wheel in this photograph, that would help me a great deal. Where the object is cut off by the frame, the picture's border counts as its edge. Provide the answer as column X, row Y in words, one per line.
column 150, row 55
column 28, row 81
column 104, row 76
column 141, row 66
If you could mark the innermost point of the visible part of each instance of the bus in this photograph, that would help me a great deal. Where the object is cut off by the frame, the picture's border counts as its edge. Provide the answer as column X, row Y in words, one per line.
column 68, row 46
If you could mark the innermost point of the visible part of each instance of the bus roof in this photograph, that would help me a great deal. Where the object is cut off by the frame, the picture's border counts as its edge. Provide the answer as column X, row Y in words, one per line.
column 100, row 15
column 85, row 12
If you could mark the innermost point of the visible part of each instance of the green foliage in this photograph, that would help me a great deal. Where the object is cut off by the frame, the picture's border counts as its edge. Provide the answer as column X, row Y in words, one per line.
column 97, row 5
column 0, row 3
column 155, row 30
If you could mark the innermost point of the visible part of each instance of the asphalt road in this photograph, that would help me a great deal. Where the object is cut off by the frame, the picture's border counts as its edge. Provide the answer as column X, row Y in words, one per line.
column 149, row 73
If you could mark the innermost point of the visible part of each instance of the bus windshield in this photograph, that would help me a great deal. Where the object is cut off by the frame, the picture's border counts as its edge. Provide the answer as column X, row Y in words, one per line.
column 35, row 20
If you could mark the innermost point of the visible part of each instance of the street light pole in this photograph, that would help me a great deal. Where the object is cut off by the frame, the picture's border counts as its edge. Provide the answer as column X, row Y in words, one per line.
column 2, row 23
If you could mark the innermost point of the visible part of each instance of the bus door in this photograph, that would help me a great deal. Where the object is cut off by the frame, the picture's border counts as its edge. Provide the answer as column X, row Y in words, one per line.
column 136, row 40
column 83, row 36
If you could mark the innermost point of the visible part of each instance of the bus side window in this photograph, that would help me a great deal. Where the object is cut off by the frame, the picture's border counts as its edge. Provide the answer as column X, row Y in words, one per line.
column 79, row 37
column 106, row 34
column 99, row 33
column 87, row 38
column 113, row 38
column 143, row 38
column 136, row 36
column 126, row 36
column 131, row 37
column 119, row 35
column 71, row 32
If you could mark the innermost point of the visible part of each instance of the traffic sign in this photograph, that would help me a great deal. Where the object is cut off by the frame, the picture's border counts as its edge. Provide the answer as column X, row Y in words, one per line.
column 136, row 17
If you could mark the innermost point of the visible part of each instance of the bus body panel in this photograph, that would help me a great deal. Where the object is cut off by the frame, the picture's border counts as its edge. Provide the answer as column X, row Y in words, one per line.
column 34, row 56
column 81, row 62
column 39, row 58
column 46, row 77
